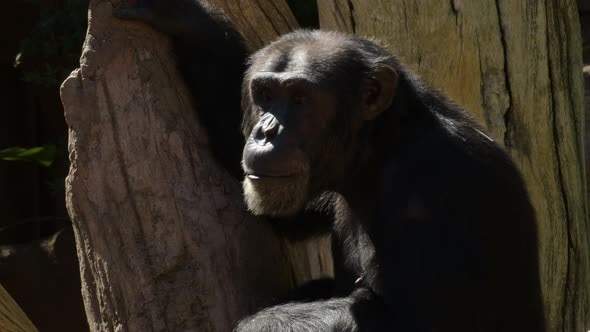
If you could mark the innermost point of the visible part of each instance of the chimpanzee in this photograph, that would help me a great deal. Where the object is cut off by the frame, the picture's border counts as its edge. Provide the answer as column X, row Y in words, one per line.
column 433, row 226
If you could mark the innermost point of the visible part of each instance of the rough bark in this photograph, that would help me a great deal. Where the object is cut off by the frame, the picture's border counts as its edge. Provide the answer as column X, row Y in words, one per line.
column 260, row 21
column 587, row 130
column 516, row 66
column 12, row 318
column 163, row 238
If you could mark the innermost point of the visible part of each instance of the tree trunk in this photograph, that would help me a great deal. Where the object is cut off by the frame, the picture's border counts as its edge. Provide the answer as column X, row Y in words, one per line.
column 12, row 318
column 516, row 66
column 164, row 240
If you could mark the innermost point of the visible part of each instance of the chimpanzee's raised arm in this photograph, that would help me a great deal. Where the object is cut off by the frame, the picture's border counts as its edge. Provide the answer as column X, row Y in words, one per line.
column 211, row 57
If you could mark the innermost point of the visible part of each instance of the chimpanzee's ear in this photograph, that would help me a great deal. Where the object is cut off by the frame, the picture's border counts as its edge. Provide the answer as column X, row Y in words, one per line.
column 378, row 91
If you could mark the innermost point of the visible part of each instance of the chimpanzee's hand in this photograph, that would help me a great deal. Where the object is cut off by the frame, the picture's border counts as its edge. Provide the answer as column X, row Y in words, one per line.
column 170, row 16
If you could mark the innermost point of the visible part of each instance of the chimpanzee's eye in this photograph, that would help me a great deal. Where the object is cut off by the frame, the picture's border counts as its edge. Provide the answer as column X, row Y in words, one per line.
column 299, row 99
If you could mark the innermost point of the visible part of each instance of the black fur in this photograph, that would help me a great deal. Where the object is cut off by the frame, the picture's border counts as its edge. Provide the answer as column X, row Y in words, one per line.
column 433, row 215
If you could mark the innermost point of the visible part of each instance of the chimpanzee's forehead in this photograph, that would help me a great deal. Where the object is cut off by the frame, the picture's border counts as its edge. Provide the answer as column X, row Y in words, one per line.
column 318, row 58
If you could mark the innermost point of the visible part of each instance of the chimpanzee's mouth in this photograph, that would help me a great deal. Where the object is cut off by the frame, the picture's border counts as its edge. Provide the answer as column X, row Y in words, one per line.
column 269, row 176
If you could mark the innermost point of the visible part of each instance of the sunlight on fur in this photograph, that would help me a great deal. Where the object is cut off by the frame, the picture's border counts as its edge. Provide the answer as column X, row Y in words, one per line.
column 276, row 198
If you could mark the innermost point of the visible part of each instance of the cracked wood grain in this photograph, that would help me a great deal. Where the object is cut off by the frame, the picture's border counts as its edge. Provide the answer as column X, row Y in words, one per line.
column 163, row 238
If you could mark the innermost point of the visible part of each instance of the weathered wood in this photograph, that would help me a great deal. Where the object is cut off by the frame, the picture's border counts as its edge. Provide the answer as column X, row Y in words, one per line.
column 12, row 318
column 587, row 123
column 164, row 240
column 516, row 66
column 260, row 21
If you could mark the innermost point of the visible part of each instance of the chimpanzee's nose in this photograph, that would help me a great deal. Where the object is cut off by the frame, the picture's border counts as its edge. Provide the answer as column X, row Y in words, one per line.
column 267, row 130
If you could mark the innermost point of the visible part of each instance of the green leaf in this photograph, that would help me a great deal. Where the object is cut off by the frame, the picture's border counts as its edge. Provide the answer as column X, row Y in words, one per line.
column 42, row 155
column 17, row 60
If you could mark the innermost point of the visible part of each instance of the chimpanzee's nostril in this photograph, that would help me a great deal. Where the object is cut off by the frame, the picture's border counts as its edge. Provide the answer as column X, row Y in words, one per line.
column 270, row 128
column 267, row 130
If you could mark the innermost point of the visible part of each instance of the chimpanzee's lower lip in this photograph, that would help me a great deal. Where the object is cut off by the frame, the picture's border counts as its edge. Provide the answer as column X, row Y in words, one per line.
column 266, row 176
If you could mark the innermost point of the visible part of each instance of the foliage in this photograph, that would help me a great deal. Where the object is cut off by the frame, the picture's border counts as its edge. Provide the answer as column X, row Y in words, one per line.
column 42, row 155
column 52, row 49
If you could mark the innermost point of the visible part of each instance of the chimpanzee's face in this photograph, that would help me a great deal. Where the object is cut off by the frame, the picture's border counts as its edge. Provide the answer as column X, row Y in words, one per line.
column 305, row 100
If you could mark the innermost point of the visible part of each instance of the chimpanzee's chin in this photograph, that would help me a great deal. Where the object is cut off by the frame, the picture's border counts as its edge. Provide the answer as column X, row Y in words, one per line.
column 281, row 197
